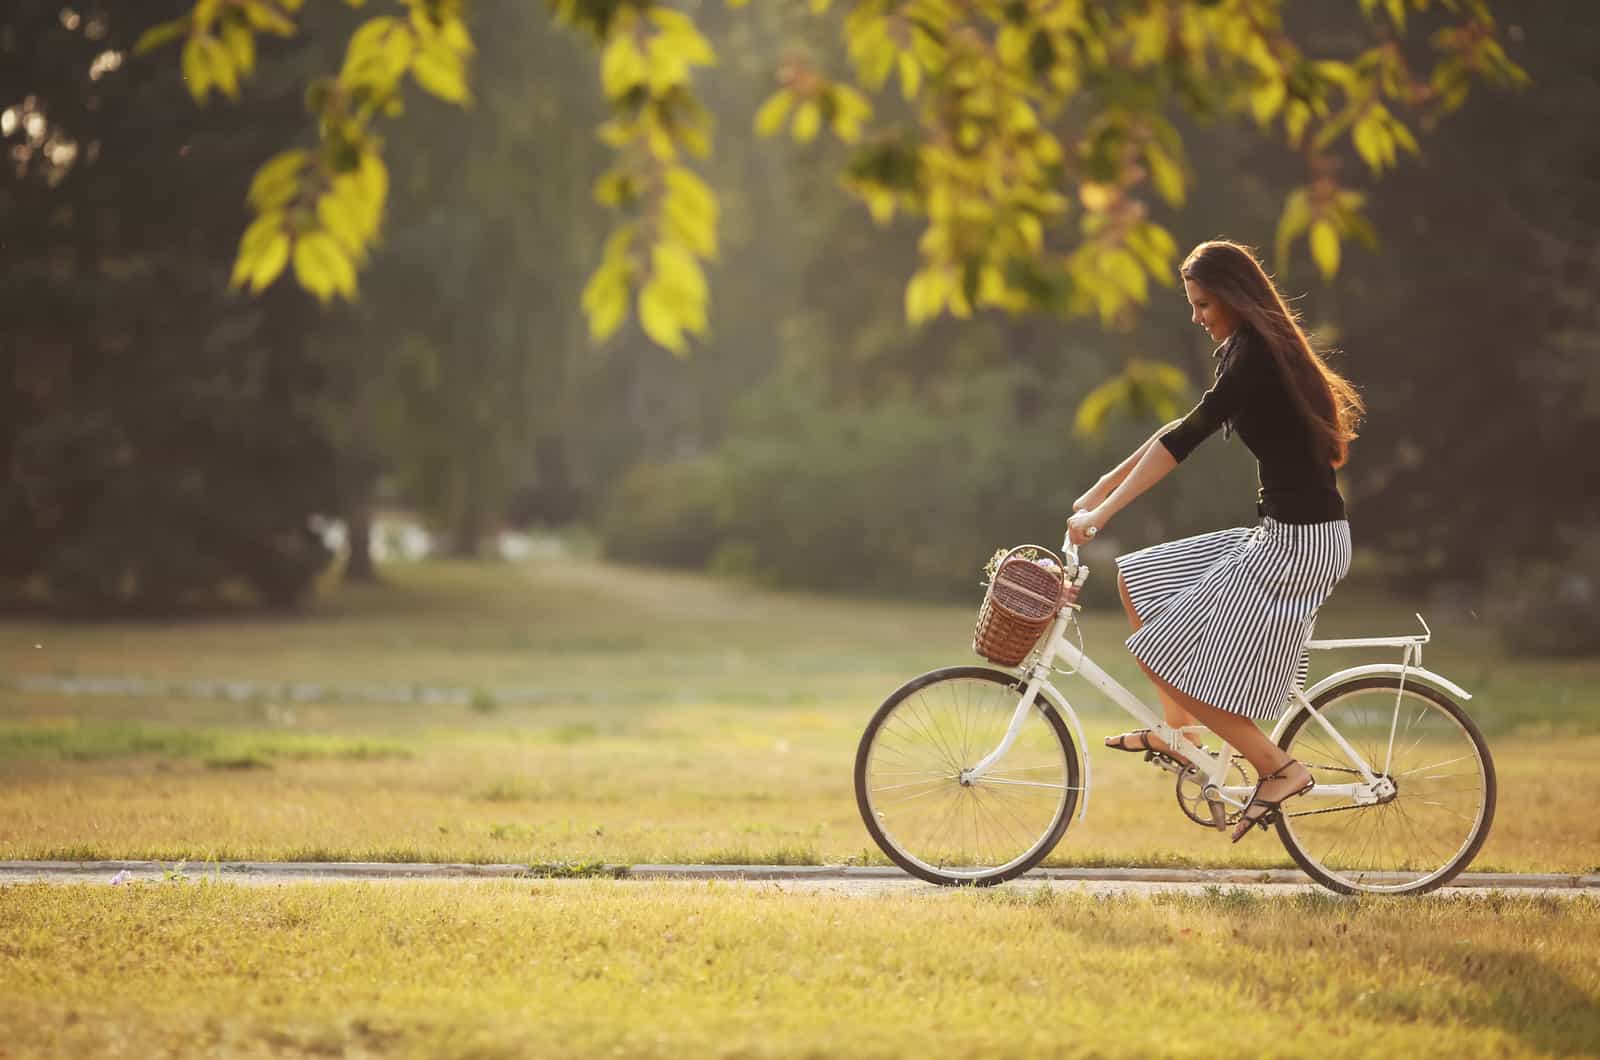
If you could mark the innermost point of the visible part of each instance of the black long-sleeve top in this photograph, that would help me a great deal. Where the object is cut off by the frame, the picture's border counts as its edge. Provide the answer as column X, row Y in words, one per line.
column 1251, row 397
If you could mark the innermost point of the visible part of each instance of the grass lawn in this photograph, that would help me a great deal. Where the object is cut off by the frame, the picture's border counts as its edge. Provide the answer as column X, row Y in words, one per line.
column 670, row 970
column 623, row 715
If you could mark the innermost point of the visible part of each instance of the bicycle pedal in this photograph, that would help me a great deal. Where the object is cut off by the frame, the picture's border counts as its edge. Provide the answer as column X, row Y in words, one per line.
column 1166, row 762
column 1219, row 815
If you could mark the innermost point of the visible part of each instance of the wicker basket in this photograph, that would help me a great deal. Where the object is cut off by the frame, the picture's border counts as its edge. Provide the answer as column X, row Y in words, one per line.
column 1022, row 599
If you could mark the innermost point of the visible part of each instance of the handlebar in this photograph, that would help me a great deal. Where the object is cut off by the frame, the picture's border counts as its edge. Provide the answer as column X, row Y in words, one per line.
column 1075, row 571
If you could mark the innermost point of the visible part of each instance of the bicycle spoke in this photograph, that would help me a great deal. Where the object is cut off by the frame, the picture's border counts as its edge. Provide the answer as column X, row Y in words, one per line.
column 1434, row 765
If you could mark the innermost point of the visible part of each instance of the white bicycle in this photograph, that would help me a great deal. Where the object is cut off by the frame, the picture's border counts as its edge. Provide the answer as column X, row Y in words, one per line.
column 970, row 775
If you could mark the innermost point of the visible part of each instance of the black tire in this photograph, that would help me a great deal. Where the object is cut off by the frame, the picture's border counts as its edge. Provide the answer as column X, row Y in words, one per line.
column 1428, row 850
column 976, row 679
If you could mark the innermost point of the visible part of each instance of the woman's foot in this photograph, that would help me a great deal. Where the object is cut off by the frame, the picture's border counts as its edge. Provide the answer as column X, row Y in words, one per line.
column 1275, row 788
column 1140, row 740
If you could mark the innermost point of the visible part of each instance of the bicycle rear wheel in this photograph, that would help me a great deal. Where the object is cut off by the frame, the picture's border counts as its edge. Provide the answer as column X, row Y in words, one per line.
column 1442, row 807
column 927, row 816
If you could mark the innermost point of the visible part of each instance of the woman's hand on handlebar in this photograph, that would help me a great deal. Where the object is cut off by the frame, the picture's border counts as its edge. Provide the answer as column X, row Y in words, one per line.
column 1084, row 525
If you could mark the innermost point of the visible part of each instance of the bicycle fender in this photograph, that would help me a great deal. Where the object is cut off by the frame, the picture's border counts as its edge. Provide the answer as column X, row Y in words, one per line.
column 1057, row 700
column 1411, row 673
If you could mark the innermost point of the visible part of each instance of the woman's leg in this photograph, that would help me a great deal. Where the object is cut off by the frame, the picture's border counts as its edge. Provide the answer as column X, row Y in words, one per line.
column 1175, row 714
column 1246, row 737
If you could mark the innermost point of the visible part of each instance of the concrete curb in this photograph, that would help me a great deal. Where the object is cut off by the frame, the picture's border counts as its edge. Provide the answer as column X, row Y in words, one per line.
column 88, row 871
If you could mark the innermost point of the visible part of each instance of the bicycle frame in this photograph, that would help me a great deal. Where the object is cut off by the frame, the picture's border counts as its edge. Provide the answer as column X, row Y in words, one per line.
column 1213, row 768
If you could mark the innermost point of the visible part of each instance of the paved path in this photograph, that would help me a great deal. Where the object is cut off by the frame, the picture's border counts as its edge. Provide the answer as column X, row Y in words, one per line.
column 827, row 878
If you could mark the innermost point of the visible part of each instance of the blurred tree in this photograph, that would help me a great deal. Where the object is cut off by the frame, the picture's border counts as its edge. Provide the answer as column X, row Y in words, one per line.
column 157, row 442
column 1483, row 383
column 1031, row 135
column 466, row 336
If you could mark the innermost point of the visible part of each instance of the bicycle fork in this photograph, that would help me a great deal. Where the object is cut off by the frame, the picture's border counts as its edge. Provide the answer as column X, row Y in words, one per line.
column 1030, row 694
column 1037, row 678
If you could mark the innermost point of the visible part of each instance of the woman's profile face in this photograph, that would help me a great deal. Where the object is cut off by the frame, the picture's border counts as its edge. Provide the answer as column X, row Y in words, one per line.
column 1210, row 312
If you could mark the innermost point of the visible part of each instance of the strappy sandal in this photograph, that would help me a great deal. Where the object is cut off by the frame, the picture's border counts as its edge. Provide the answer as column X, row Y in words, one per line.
column 1143, row 746
column 1270, row 813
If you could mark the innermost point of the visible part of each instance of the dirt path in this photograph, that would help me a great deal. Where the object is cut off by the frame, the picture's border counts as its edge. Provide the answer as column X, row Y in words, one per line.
column 812, row 879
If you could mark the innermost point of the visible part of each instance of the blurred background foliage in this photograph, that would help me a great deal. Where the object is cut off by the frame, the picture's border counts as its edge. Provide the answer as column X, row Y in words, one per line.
column 168, row 444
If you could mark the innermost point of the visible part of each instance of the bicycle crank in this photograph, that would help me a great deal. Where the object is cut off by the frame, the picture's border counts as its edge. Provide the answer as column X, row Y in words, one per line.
column 1196, row 797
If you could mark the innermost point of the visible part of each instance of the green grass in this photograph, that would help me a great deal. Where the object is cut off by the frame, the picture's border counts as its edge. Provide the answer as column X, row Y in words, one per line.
column 664, row 718
column 70, row 740
column 592, row 967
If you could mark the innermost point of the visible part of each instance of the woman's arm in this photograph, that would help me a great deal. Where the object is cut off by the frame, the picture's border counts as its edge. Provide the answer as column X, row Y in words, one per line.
column 1153, row 466
column 1114, row 478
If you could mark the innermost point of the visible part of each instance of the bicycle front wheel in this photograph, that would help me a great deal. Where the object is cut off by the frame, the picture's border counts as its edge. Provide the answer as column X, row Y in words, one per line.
column 1433, row 823
column 928, row 815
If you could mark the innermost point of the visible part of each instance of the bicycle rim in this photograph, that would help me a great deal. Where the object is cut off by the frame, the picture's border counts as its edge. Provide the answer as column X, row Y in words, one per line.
column 1442, row 808
column 926, row 818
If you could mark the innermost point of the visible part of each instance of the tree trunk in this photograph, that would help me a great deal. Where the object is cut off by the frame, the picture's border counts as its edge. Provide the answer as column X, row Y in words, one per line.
column 360, row 567
column 469, row 515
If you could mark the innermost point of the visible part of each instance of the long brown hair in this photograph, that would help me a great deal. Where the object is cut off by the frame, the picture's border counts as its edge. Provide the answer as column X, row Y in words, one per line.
column 1325, row 398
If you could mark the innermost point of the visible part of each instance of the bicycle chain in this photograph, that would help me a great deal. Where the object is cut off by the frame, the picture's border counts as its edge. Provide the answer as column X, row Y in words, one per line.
column 1233, row 816
column 1335, row 809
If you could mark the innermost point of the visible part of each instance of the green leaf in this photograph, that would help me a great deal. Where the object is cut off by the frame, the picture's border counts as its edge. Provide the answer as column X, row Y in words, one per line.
column 927, row 294
column 1397, row 13
column 278, row 180
column 322, row 267
column 205, row 13
column 622, row 66
column 910, row 75
column 241, row 46
column 1164, row 173
column 1402, row 136
column 1032, row 232
column 619, row 245
column 261, row 231
column 658, row 320
column 441, row 72
column 270, row 262
column 374, row 177
column 1155, row 249
column 1095, row 410
column 380, row 52
column 267, row 18
column 1371, row 142
column 807, row 122
column 1156, row 388
column 197, row 71
column 255, row 238
column 342, row 221
column 681, row 283
column 1267, row 100
column 1325, row 248
column 850, row 109
column 216, row 61
column 455, row 36
column 605, row 300
column 769, row 119
column 359, row 209
column 1294, row 219
column 1123, row 268
column 160, row 34
column 1295, row 118
column 691, row 211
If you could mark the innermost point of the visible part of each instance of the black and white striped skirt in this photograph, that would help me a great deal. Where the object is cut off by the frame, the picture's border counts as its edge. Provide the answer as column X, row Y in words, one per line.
column 1226, row 615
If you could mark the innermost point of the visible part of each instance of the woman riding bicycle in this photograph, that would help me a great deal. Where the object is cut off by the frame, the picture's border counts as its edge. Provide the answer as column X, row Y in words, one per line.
column 1220, row 619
